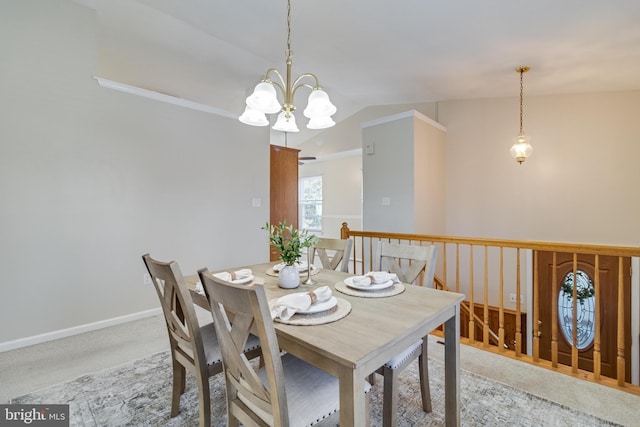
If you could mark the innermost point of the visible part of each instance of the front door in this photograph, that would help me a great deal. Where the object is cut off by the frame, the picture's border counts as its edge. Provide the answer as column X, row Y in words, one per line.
column 608, row 267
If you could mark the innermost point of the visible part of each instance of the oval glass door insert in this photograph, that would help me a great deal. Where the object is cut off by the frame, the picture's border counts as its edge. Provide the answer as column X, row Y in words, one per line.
column 585, row 309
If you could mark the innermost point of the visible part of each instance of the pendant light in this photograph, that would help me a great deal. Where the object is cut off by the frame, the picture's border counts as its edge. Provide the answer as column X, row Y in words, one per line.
column 521, row 148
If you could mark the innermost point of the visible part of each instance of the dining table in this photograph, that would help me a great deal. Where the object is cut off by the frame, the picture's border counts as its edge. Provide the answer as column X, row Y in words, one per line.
column 373, row 331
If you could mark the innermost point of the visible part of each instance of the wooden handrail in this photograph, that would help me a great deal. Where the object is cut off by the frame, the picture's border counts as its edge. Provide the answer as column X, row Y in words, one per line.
column 363, row 242
column 582, row 248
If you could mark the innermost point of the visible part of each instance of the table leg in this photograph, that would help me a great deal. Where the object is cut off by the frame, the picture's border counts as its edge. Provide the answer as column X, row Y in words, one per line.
column 452, row 369
column 352, row 399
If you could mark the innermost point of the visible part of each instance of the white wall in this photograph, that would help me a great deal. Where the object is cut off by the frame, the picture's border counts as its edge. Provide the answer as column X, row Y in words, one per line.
column 429, row 176
column 92, row 178
column 404, row 174
column 388, row 176
column 580, row 185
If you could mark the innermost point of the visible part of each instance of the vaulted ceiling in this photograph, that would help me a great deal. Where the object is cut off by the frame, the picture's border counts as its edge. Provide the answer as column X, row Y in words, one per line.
column 370, row 52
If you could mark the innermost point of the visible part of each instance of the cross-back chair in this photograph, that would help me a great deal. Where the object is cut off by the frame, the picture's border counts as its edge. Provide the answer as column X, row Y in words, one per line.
column 194, row 347
column 407, row 262
column 331, row 252
column 285, row 391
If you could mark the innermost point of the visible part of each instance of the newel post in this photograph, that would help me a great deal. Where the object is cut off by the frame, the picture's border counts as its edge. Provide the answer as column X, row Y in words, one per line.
column 344, row 231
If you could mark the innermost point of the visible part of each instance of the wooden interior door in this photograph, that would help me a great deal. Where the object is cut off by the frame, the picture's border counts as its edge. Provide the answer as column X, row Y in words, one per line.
column 608, row 267
column 283, row 188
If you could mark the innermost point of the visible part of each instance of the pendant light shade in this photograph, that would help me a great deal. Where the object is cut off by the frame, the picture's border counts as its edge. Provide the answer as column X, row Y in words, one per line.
column 286, row 124
column 521, row 148
column 264, row 99
column 253, row 117
column 319, row 105
column 321, row 123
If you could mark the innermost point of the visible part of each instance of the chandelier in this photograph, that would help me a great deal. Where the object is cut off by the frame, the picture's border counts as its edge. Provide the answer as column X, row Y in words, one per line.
column 521, row 148
column 264, row 99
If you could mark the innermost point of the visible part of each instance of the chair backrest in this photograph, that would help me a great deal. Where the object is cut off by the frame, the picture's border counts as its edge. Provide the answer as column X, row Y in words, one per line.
column 407, row 261
column 249, row 399
column 341, row 249
column 179, row 313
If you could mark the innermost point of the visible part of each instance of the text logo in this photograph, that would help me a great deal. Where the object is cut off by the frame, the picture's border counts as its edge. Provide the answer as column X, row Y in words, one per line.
column 34, row 415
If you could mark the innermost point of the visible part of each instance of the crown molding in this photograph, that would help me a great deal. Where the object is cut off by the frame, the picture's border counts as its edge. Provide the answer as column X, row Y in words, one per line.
column 411, row 113
column 169, row 99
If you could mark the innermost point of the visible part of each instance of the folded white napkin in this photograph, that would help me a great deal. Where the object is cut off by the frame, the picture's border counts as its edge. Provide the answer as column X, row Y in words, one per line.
column 238, row 276
column 374, row 277
column 234, row 276
column 300, row 265
column 288, row 305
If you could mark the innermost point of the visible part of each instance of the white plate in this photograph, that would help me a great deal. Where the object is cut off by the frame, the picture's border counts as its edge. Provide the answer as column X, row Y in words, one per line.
column 374, row 287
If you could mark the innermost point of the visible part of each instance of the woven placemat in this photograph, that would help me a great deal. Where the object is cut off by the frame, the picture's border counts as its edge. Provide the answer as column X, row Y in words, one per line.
column 396, row 289
column 314, row 271
column 342, row 308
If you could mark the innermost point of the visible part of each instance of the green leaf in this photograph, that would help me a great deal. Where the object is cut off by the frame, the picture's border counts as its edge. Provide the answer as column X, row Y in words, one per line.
column 288, row 241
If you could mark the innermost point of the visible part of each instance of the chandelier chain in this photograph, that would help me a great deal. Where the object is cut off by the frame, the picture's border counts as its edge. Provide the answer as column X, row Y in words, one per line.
column 288, row 53
column 521, row 91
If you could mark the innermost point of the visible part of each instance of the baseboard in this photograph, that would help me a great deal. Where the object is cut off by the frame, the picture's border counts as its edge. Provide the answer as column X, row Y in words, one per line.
column 62, row 333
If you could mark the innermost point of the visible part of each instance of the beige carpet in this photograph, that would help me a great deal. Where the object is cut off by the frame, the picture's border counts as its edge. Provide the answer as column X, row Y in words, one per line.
column 139, row 393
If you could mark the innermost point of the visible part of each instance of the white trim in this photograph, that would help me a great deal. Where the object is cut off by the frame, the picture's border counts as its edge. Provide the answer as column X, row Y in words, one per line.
column 404, row 115
column 62, row 333
column 146, row 93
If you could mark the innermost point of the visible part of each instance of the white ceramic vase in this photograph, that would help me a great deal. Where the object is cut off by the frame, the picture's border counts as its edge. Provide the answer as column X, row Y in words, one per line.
column 289, row 277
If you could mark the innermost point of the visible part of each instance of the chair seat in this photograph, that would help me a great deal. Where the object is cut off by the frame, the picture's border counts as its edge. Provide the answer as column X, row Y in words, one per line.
column 305, row 409
column 405, row 355
column 299, row 377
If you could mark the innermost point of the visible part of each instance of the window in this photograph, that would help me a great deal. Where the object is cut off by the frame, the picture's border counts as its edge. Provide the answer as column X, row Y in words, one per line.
column 585, row 309
column 310, row 199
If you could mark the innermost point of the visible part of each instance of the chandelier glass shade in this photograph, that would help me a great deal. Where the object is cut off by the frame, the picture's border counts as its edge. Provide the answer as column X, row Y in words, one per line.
column 286, row 123
column 521, row 148
column 264, row 99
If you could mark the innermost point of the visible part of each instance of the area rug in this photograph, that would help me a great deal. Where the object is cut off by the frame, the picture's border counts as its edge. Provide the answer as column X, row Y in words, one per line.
column 139, row 394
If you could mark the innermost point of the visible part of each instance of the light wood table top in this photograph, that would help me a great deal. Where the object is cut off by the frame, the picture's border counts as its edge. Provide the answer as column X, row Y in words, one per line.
column 373, row 332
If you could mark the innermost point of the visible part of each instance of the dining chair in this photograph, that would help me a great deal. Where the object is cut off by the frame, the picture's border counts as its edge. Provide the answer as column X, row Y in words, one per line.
column 331, row 252
column 407, row 262
column 194, row 347
column 284, row 391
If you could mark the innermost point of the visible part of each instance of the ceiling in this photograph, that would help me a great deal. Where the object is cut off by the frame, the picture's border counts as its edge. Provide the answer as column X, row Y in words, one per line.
column 370, row 52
